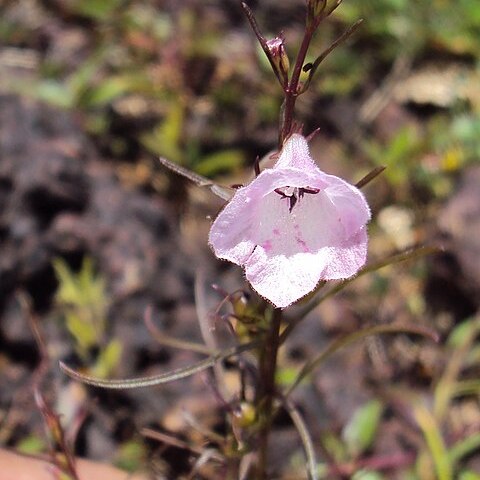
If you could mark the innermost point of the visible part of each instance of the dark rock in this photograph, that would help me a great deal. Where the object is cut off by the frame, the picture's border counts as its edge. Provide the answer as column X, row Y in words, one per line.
column 456, row 273
column 59, row 200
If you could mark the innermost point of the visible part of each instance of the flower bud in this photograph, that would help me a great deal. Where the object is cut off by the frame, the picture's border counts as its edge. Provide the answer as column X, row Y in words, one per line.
column 240, row 304
column 279, row 57
column 245, row 415
column 319, row 9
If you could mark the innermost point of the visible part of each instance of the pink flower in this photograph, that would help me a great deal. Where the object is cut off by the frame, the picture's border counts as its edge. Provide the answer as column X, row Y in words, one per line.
column 293, row 226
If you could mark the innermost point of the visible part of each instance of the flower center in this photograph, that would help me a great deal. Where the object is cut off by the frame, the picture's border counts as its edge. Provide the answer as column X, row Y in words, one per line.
column 294, row 194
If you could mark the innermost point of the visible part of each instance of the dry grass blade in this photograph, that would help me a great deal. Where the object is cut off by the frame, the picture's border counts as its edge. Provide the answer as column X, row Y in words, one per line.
column 176, row 442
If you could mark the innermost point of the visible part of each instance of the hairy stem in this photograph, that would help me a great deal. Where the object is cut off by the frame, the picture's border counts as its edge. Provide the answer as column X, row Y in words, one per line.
column 266, row 390
column 291, row 92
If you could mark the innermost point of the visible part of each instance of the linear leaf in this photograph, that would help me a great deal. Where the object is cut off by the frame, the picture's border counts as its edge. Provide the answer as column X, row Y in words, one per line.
column 157, row 379
column 224, row 193
column 345, row 340
column 463, row 448
column 304, row 436
column 434, row 440
column 410, row 254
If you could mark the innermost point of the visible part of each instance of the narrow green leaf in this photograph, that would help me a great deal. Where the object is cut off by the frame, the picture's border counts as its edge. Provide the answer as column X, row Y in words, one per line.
column 31, row 445
column 367, row 475
column 468, row 475
column 83, row 332
column 222, row 161
column 463, row 332
column 410, row 254
column 67, row 290
column 99, row 10
column 165, row 139
column 370, row 176
column 304, row 436
column 112, row 88
column 445, row 389
column 55, row 93
column 108, row 359
column 466, row 387
column 224, row 193
column 153, row 380
column 345, row 340
column 79, row 82
column 360, row 431
column 463, row 448
column 433, row 437
column 334, row 447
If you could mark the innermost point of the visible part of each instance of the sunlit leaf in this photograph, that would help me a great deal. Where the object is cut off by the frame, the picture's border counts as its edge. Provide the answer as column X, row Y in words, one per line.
column 334, row 446
column 463, row 332
column 466, row 387
column 108, row 359
column 110, row 89
column 131, row 456
column 84, row 332
column 96, row 9
column 367, row 475
column 82, row 299
column 55, row 93
column 222, row 161
column 464, row 448
column 359, row 432
column 31, row 445
column 433, row 437
column 468, row 475
column 165, row 139
column 285, row 376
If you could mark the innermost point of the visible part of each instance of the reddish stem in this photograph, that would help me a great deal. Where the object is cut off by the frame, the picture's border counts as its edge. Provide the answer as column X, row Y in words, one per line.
column 291, row 92
column 266, row 390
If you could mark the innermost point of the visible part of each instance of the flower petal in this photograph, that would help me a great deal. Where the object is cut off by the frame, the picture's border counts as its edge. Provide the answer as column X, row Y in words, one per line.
column 347, row 198
column 289, row 240
column 347, row 259
column 297, row 249
column 267, row 273
column 229, row 235
column 295, row 153
column 293, row 248
column 349, row 202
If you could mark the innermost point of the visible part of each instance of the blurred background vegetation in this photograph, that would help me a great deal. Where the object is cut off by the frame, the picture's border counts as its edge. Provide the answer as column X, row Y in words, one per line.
column 185, row 80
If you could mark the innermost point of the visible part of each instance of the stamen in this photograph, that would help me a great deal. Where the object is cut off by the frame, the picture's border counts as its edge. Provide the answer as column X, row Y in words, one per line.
column 256, row 166
column 294, row 194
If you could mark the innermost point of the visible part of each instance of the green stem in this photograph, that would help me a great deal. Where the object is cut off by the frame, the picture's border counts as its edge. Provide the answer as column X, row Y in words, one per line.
column 266, row 390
